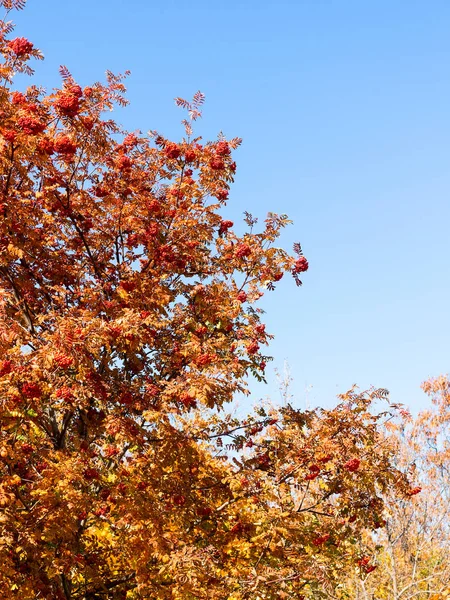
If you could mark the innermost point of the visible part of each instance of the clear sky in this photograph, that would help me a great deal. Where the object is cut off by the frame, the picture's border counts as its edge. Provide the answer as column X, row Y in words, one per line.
column 344, row 107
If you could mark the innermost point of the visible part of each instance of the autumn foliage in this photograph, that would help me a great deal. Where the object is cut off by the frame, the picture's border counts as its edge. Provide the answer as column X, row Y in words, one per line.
column 128, row 320
column 411, row 550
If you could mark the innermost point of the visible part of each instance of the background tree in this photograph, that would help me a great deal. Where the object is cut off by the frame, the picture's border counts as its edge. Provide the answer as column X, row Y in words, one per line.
column 127, row 321
column 412, row 550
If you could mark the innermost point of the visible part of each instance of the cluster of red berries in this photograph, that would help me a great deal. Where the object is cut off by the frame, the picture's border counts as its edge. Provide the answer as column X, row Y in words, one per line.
column 172, row 150
column 364, row 563
column 46, row 146
column 352, row 465
column 31, row 125
column 301, row 265
column 242, row 251
column 322, row 539
column 20, row 46
column 65, row 146
column 314, row 471
column 225, row 226
column 31, row 390
column 68, row 103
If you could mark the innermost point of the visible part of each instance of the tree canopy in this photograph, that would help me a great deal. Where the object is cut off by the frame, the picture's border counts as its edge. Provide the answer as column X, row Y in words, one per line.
column 128, row 320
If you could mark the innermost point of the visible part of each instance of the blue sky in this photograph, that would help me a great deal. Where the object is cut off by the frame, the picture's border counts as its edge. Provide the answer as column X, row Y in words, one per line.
column 344, row 110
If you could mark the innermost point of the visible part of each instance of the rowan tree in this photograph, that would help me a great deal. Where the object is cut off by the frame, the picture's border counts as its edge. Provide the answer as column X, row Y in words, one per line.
column 128, row 319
